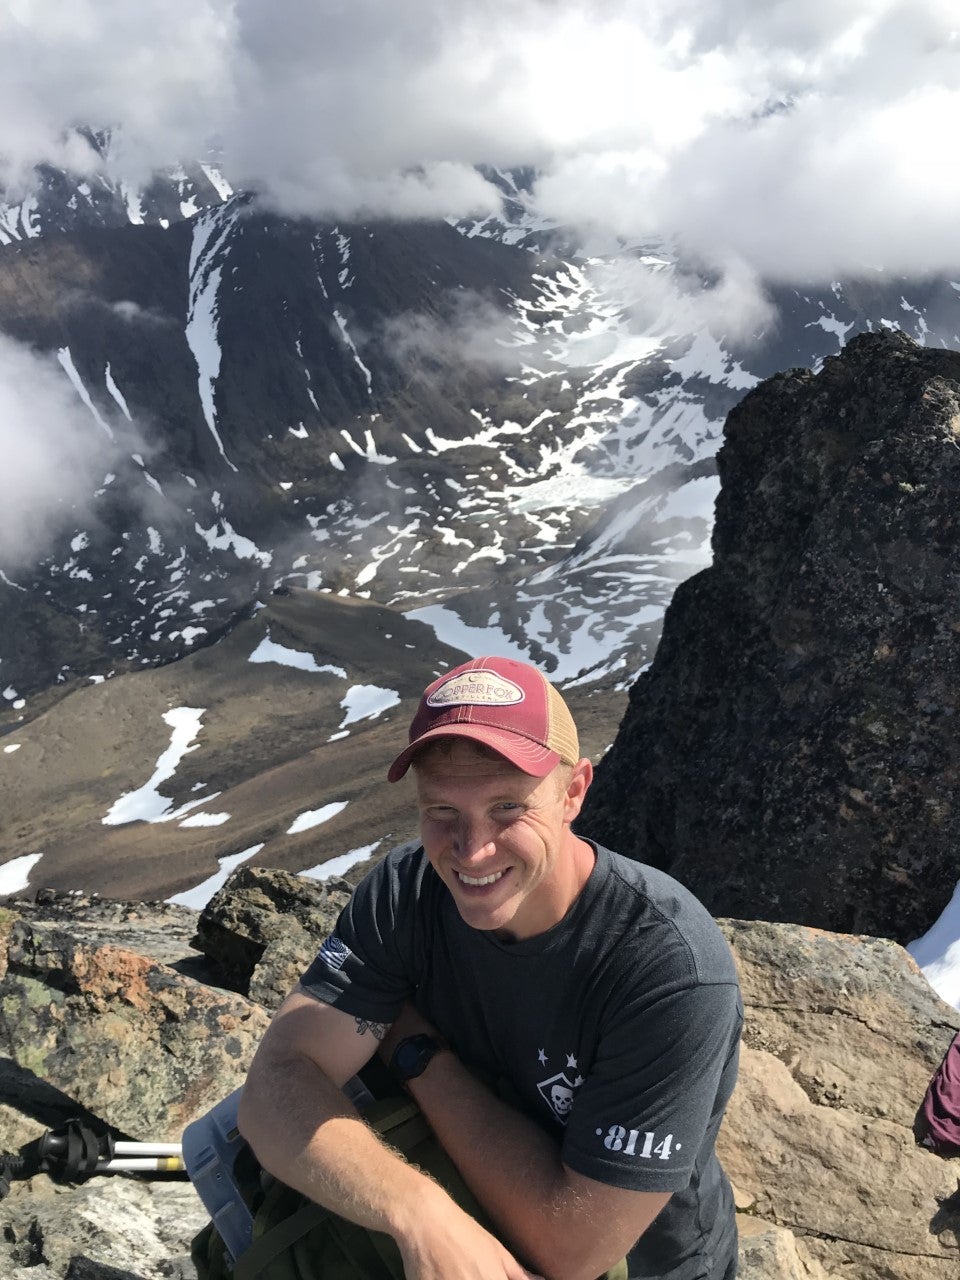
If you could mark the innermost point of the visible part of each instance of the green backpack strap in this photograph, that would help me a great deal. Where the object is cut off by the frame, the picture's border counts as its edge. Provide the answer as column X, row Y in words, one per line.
column 401, row 1123
column 266, row 1248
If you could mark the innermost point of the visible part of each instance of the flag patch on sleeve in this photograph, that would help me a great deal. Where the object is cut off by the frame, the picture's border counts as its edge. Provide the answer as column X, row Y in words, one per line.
column 334, row 952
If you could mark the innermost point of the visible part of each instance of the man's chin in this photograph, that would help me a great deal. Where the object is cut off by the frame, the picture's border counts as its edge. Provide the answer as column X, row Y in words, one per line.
column 487, row 914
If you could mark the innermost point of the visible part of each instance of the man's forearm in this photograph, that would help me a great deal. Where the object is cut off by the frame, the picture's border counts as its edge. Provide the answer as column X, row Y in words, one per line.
column 511, row 1165
column 305, row 1131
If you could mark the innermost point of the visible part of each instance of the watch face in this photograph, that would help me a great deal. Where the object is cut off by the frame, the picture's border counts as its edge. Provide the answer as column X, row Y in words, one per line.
column 412, row 1055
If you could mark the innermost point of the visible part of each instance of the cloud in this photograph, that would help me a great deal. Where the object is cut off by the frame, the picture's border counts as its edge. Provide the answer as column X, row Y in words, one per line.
column 132, row 313
column 758, row 137
column 818, row 142
column 473, row 331
column 54, row 454
column 658, row 303
column 158, row 72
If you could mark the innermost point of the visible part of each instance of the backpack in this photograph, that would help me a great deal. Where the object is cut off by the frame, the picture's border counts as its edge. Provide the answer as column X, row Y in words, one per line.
column 294, row 1238
column 937, row 1126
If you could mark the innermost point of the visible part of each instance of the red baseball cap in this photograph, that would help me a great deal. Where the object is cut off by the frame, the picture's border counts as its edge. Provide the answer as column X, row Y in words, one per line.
column 509, row 706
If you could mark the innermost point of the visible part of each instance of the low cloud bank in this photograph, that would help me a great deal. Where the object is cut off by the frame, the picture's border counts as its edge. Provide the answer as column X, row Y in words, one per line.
column 759, row 138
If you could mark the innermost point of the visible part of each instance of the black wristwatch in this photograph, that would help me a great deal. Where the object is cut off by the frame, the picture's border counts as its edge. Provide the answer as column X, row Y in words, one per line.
column 411, row 1056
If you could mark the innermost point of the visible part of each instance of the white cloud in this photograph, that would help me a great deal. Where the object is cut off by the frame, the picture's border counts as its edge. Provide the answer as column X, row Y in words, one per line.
column 53, row 451
column 474, row 331
column 160, row 69
column 760, row 136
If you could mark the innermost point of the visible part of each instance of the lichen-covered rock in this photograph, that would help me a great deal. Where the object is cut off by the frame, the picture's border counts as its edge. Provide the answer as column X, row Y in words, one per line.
column 792, row 753
column 134, row 1042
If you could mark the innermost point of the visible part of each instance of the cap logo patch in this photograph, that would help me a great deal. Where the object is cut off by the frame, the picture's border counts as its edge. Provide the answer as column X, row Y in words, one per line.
column 480, row 688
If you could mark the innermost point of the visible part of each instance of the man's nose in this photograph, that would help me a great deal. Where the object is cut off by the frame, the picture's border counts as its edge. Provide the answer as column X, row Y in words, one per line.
column 474, row 839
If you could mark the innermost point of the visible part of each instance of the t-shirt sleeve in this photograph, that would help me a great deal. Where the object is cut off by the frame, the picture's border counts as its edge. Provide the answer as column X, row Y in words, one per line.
column 366, row 965
column 661, row 1077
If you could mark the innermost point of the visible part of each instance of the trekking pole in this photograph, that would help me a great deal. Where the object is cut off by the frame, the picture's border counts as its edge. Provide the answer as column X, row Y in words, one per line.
column 143, row 1157
column 77, row 1150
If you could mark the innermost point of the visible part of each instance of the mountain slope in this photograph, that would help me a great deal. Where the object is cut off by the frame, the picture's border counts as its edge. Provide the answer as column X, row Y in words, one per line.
column 426, row 416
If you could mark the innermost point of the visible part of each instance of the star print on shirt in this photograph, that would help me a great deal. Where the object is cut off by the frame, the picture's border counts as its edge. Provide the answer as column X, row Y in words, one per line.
column 542, row 1058
column 571, row 1061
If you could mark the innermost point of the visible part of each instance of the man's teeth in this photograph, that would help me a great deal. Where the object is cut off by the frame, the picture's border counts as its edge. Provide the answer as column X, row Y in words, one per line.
column 480, row 879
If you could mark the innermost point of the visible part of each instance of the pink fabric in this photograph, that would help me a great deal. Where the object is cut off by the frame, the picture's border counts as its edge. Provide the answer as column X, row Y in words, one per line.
column 939, row 1118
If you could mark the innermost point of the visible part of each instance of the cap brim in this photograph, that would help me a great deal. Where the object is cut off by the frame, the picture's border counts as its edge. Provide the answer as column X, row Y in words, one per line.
column 529, row 757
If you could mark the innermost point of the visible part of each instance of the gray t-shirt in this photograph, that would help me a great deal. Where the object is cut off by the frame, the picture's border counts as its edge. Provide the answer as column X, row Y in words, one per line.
column 617, row 1029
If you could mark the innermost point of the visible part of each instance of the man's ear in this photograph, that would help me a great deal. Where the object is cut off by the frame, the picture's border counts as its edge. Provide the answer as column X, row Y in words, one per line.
column 577, row 788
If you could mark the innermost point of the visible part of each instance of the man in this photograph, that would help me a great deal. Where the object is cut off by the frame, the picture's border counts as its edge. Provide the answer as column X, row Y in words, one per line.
column 502, row 948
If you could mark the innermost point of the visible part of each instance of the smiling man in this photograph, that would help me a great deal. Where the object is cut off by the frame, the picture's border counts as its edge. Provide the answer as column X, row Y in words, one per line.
column 502, row 956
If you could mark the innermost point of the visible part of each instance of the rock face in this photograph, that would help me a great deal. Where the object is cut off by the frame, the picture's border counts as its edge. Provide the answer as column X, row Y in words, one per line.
column 841, row 1037
column 792, row 752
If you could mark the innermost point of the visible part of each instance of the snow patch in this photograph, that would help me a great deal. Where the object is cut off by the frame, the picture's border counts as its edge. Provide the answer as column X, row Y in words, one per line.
column 937, row 952
column 210, row 232
column 198, row 897
column 206, row 820
column 146, row 804
column 269, row 651
column 15, row 875
column 314, row 817
column 337, row 866
column 116, row 393
column 366, row 702
column 70, row 369
column 342, row 324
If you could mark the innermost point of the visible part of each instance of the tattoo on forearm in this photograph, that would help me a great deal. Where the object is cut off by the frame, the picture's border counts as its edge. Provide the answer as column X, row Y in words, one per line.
column 377, row 1029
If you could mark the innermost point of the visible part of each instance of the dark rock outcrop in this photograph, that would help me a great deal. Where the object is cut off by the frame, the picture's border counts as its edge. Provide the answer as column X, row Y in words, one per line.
column 792, row 754
column 264, row 927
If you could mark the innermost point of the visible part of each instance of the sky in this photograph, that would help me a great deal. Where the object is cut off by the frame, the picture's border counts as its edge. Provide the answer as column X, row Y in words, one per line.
column 760, row 136
column 937, row 952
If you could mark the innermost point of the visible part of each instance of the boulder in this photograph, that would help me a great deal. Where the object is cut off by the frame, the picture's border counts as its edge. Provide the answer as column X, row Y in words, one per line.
column 133, row 1041
column 841, row 1037
column 114, row 1227
column 773, row 1253
column 263, row 928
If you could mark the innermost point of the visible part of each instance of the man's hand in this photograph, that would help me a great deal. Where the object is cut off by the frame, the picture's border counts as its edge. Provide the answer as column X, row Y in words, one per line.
column 453, row 1246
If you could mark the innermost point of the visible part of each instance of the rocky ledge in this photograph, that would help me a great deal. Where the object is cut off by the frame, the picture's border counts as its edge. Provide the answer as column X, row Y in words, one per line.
column 139, row 1017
